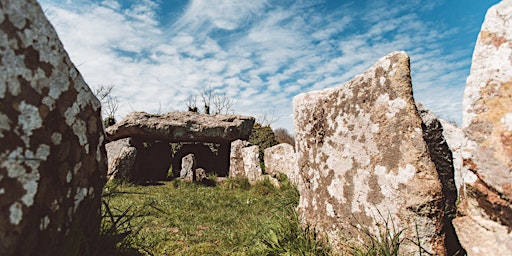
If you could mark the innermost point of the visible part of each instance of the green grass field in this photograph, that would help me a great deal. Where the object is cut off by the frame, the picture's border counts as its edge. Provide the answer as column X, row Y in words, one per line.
column 232, row 218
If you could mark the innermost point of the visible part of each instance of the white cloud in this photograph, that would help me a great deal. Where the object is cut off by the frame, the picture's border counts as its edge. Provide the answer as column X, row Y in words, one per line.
column 260, row 52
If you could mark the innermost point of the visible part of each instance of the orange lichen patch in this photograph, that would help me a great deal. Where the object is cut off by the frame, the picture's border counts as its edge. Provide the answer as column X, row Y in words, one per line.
column 507, row 190
column 497, row 98
column 487, row 37
column 506, row 141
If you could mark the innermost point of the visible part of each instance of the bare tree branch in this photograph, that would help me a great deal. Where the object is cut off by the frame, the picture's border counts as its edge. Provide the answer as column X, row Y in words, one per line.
column 267, row 118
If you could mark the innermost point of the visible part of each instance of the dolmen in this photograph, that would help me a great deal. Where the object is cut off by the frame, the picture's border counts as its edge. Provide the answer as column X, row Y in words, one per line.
column 151, row 146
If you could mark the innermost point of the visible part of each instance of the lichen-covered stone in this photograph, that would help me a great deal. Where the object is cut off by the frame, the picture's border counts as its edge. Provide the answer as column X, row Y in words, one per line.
column 236, row 161
column 487, row 125
column 252, row 168
column 281, row 159
column 121, row 157
column 52, row 155
column 182, row 127
column 188, row 167
column 363, row 160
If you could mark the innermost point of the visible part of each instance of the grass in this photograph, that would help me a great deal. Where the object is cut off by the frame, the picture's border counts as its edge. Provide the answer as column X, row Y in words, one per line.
column 233, row 218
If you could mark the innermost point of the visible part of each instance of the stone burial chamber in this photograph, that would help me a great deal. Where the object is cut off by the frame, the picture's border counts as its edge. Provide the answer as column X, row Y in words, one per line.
column 150, row 147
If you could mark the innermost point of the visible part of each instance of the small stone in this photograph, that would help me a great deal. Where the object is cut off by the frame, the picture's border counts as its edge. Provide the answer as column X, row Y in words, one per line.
column 188, row 166
column 281, row 159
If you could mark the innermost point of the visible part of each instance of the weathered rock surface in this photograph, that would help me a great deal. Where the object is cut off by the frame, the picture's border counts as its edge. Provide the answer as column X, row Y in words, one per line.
column 52, row 156
column 182, row 127
column 281, row 159
column 442, row 156
column 236, row 161
column 363, row 159
column 252, row 168
column 188, row 167
column 454, row 137
column 121, row 157
column 486, row 199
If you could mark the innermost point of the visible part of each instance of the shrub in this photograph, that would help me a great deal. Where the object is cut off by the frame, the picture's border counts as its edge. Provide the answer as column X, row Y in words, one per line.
column 263, row 136
column 283, row 136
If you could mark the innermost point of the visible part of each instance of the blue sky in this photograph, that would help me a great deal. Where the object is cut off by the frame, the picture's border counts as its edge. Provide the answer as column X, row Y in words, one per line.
column 262, row 53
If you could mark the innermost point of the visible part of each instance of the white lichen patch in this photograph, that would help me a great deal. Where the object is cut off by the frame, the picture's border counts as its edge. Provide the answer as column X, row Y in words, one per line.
column 80, row 195
column 389, row 182
column 69, row 176
column 44, row 223
column 385, row 64
column 329, row 210
column 361, row 190
column 29, row 120
column 56, row 138
column 382, row 80
column 394, row 106
column 335, row 189
column 507, row 121
column 16, row 213
column 2, row 191
column 4, row 124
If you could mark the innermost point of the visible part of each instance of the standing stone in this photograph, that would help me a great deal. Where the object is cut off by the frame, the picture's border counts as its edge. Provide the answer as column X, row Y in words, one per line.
column 252, row 168
column 442, row 156
column 52, row 155
column 363, row 160
column 281, row 159
column 236, row 162
column 121, row 158
column 454, row 137
column 485, row 222
column 188, row 166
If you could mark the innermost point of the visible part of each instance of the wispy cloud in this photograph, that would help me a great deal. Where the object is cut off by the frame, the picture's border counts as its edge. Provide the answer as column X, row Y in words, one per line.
column 261, row 53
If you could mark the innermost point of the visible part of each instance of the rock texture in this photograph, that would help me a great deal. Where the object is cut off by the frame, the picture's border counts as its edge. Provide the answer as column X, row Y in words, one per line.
column 121, row 157
column 363, row 159
column 188, row 167
column 236, row 161
column 182, row 127
column 486, row 199
column 52, row 155
column 442, row 156
column 454, row 137
column 252, row 168
column 281, row 159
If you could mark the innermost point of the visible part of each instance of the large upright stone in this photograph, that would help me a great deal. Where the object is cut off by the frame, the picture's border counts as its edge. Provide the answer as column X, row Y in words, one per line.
column 121, row 157
column 281, row 159
column 363, row 159
column 252, row 168
column 485, row 224
column 182, row 127
column 52, row 155
column 236, row 160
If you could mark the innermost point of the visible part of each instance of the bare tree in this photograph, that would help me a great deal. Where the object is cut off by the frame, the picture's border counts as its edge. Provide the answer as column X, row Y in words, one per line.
column 192, row 104
column 267, row 118
column 222, row 104
column 109, row 102
column 213, row 103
